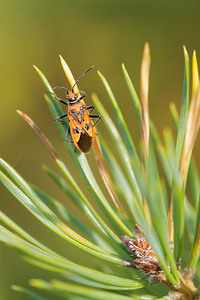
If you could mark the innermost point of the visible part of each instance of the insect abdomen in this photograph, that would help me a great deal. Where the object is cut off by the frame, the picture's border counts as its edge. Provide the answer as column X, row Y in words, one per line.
column 85, row 142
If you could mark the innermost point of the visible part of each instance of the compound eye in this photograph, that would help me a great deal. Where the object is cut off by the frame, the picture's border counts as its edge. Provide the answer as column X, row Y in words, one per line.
column 82, row 107
column 73, row 111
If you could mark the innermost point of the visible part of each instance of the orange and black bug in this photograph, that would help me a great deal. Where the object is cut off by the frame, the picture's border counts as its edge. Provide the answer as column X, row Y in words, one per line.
column 81, row 127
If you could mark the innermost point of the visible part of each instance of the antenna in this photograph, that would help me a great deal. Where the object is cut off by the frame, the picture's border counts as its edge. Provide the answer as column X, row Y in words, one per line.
column 61, row 87
column 81, row 77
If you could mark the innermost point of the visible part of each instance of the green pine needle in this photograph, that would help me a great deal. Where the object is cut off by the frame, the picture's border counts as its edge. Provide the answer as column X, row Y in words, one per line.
column 146, row 186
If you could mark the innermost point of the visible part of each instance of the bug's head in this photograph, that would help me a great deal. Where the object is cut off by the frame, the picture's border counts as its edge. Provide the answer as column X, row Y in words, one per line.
column 71, row 96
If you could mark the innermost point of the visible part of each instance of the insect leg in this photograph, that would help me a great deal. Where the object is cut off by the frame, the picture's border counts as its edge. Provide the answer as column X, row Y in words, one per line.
column 95, row 117
column 83, row 96
column 61, row 117
column 67, row 136
column 90, row 107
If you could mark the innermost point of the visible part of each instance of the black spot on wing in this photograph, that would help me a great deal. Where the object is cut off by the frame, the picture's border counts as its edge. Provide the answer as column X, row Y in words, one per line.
column 85, row 142
column 88, row 126
column 75, row 130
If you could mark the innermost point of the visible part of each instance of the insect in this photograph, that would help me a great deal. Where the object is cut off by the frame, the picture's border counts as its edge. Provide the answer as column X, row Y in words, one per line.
column 80, row 127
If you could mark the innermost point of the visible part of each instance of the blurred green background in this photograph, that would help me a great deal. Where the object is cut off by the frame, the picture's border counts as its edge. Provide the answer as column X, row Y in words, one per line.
column 85, row 32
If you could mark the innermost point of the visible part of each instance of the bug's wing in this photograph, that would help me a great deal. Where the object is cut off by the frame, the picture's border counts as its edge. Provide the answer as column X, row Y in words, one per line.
column 88, row 126
column 75, row 134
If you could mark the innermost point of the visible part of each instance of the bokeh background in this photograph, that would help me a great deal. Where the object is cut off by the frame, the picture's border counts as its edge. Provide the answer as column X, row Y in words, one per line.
column 103, row 33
